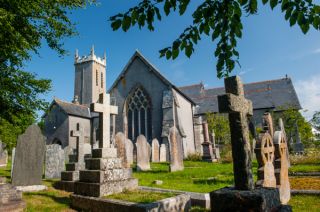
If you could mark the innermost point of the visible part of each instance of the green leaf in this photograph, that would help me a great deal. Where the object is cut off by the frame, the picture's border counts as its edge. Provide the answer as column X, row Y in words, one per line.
column 168, row 54
column 188, row 50
column 175, row 53
column 304, row 28
column 126, row 22
column 293, row 18
column 316, row 22
column 264, row 1
column 273, row 3
column 116, row 24
column 288, row 13
column 158, row 13
column 167, row 7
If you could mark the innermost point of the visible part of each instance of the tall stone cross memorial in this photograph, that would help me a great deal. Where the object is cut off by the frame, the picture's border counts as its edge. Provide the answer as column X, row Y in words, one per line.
column 105, row 110
column 239, row 108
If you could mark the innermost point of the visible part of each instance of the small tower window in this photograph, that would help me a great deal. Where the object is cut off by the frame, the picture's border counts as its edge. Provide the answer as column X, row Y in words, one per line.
column 101, row 80
column 97, row 78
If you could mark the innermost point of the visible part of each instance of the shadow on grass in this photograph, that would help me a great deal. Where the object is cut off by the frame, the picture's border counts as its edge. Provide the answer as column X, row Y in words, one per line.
column 60, row 200
column 211, row 181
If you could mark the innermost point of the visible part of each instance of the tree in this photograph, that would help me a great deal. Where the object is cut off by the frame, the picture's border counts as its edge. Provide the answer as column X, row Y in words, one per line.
column 292, row 116
column 220, row 124
column 219, row 19
column 24, row 24
column 315, row 121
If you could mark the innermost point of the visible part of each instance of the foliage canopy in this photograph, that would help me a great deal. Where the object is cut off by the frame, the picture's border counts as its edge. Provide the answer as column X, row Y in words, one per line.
column 219, row 19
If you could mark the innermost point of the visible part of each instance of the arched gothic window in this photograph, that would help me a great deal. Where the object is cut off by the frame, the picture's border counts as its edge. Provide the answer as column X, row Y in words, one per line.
column 139, row 115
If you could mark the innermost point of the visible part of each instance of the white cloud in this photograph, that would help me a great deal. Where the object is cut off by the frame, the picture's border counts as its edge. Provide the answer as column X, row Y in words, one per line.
column 308, row 91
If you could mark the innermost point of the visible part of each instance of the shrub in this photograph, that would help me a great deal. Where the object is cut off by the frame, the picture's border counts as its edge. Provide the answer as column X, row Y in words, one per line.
column 311, row 156
column 194, row 157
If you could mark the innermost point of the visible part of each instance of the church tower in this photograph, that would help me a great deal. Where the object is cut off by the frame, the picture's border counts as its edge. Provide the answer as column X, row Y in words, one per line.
column 90, row 77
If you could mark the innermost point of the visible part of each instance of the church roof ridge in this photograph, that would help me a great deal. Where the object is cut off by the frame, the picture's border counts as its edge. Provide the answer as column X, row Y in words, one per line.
column 155, row 70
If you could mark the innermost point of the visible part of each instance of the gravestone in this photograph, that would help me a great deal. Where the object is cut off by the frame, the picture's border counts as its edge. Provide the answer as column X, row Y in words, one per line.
column 129, row 151
column 238, row 109
column 163, row 153
column 281, row 166
column 207, row 146
column 13, row 153
column 3, row 155
column 29, row 157
column 297, row 147
column 120, row 144
column 176, row 150
column 283, row 130
column 143, row 154
column 11, row 199
column 155, row 150
column 76, row 162
column 104, row 173
column 242, row 197
column 265, row 156
column 268, row 123
column 215, row 148
column 54, row 162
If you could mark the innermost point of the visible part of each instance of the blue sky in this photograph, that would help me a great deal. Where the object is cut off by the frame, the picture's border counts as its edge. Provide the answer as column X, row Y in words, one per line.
column 269, row 49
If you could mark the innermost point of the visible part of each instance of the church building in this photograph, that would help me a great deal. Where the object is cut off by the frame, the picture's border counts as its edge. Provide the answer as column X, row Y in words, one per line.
column 150, row 104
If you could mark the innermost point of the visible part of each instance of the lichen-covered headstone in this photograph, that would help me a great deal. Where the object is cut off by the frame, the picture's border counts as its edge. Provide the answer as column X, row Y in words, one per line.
column 176, row 150
column 281, row 166
column 155, row 150
column 143, row 154
column 29, row 157
column 3, row 155
column 54, row 161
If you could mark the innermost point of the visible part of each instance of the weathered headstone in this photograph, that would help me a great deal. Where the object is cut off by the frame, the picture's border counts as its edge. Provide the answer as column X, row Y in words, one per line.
column 3, row 155
column 297, row 147
column 265, row 156
column 29, row 157
column 281, row 166
column 176, row 150
column 143, row 154
column 239, row 108
column 11, row 199
column 120, row 144
column 163, row 153
column 104, row 173
column 283, row 130
column 207, row 145
column 76, row 162
column 268, row 123
column 54, row 162
column 155, row 150
column 129, row 151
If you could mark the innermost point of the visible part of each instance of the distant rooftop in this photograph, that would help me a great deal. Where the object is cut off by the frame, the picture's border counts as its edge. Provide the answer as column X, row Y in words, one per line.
column 276, row 94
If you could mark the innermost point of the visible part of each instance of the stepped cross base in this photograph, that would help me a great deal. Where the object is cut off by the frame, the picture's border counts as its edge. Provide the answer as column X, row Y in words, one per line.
column 104, row 175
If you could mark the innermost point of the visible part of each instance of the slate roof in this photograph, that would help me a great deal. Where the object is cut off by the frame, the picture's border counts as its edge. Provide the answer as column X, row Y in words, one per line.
column 273, row 94
column 73, row 109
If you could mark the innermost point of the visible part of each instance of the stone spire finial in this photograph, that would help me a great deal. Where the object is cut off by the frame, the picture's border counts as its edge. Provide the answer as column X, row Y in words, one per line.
column 76, row 100
column 92, row 50
column 76, row 54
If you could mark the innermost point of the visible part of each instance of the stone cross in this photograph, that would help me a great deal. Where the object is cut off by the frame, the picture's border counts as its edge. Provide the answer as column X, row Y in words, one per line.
column 105, row 110
column 205, row 132
column 239, row 108
column 268, row 123
column 80, row 142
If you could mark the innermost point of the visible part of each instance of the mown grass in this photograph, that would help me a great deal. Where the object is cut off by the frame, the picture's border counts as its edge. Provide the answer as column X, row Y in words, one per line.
column 200, row 177
column 140, row 196
column 303, row 203
column 315, row 167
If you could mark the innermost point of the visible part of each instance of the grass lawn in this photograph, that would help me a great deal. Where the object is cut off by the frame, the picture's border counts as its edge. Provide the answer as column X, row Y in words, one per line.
column 139, row 196
column 315, row 167
column 197, row 177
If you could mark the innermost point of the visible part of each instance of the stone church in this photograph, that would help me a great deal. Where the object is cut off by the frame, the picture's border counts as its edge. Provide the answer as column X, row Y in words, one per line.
column 150, row 104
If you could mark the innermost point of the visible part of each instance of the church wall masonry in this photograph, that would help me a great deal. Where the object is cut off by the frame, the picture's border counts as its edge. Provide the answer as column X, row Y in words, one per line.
column 140, row 75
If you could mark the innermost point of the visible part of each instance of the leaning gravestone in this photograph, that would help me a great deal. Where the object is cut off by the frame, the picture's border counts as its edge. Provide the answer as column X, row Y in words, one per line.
column 29, row 157
column 281, row 166
column 176, row 150
column 129, row 151
column 3, row 155
column 143, row 154
column 297, row 147
column 243, row 197
column 155, row 150
column 54, row 161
